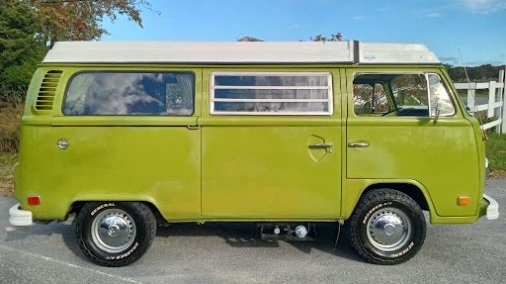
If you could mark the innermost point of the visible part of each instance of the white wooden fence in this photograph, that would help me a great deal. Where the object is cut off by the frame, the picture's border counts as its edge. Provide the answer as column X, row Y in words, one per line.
column 495, row 108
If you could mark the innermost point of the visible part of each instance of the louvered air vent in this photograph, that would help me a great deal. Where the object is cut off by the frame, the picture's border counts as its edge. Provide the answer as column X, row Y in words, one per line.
column 47, row 90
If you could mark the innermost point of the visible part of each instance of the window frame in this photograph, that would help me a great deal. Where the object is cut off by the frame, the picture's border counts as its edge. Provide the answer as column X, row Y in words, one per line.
column 425, row 74
column 73, row 75
column 329, row 100
column 445, row 85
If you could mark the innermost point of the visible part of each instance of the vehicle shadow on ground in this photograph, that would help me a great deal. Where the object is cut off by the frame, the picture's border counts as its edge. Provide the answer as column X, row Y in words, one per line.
column 240, row 235
column 65, row 229
column 236, row 235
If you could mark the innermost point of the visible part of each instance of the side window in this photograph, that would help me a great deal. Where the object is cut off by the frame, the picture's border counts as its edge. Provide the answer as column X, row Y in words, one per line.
column 271, row 93
column 370, row 99
column 410, row 92
column 130, row 93
column 391, row 95
column 439, row 98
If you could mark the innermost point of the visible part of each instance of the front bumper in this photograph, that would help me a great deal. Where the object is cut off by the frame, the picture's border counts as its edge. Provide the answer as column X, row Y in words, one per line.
column 490, row 208
column 19, row 218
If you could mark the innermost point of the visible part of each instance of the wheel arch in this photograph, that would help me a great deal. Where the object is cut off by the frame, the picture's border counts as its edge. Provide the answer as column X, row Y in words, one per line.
column 409, row 189
column 357, row 188
column 76, row 206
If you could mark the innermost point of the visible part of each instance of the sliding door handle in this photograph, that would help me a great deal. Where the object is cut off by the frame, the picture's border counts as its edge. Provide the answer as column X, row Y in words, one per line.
column 320, row 146
column 358, row 144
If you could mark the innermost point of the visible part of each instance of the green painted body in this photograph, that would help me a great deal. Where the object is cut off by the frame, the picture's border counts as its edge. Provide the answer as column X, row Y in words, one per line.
column 247, row 168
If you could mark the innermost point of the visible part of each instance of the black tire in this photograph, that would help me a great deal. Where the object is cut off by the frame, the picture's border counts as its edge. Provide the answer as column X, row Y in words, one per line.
column 137, row 232
column 378, row 207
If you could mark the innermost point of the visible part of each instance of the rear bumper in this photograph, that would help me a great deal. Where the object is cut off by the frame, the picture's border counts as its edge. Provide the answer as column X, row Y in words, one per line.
column 20, row 218
column 489, row 207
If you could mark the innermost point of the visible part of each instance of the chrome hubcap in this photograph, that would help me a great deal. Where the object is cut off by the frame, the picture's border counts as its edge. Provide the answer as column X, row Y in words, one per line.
column 113, row 230
column 388, row 229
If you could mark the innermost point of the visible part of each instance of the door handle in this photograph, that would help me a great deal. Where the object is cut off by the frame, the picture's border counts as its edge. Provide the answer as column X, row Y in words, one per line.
column 320, row 146
column 358, row 144
column 193, row 127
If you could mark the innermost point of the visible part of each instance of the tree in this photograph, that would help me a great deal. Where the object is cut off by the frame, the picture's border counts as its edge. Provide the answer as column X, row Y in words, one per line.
column 482, row 73
column 333, row 37
column 82, row 19
column 21, row 48
column 249, row 39
column 27, row 27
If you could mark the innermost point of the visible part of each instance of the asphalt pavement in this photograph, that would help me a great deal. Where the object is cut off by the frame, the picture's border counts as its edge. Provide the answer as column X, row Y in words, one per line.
column 234, row 253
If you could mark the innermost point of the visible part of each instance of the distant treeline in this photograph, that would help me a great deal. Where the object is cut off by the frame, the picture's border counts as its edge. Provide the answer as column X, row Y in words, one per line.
column 482, row 73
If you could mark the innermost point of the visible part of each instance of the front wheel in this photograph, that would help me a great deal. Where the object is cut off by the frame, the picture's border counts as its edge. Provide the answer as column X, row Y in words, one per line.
column 115, row 233
column 387, row 227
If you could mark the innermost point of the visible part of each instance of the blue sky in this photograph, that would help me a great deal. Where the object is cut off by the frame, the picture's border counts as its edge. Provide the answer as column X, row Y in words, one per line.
column 469, row 32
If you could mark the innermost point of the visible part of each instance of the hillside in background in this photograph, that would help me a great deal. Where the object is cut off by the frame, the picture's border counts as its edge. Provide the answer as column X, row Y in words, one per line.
column 482, row 73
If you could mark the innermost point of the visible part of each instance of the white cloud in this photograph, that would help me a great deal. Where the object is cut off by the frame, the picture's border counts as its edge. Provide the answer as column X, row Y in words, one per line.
column 433, row 15
column 358, row 18
column 450, row 59
column 484, row 6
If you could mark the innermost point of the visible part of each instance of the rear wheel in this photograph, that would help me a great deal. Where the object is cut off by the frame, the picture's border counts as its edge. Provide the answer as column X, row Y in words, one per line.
column 387, row 227
column 115, row 233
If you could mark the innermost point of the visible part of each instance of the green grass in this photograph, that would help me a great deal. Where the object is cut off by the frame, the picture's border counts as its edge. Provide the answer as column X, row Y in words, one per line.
column 496, row 153
column 7, row 162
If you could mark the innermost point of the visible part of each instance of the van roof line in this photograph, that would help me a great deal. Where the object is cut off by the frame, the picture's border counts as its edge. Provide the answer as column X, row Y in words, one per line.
column 239, row 52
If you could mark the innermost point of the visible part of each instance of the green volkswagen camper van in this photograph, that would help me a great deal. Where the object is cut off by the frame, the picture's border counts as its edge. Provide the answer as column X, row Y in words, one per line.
column 127, row 135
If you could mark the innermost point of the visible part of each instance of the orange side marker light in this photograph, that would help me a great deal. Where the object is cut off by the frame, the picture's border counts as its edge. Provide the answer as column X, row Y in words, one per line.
column 464, row 200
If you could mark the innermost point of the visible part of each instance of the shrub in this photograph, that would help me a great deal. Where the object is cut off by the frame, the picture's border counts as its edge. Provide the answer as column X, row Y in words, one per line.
column 10, row 117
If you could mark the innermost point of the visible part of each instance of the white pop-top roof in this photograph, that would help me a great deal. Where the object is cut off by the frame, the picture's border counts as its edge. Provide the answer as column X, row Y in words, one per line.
column 238, row 52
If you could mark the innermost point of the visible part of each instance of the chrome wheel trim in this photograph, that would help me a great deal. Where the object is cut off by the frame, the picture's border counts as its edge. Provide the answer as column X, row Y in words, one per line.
column 113, row 230
column 388, row 229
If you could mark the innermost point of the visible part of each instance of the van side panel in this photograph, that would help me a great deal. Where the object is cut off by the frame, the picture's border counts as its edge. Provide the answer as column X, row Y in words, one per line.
column 143, row 158
column 269, row 172
column 156, row 164
column 441, row 156
column 263, row 167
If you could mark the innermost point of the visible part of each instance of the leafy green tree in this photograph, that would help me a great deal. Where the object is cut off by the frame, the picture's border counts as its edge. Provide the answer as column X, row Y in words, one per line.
column 82, row 19
column 482, row 73
column 21, row 48
column 28, row 26
column 249, row 39
column 333, row 37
